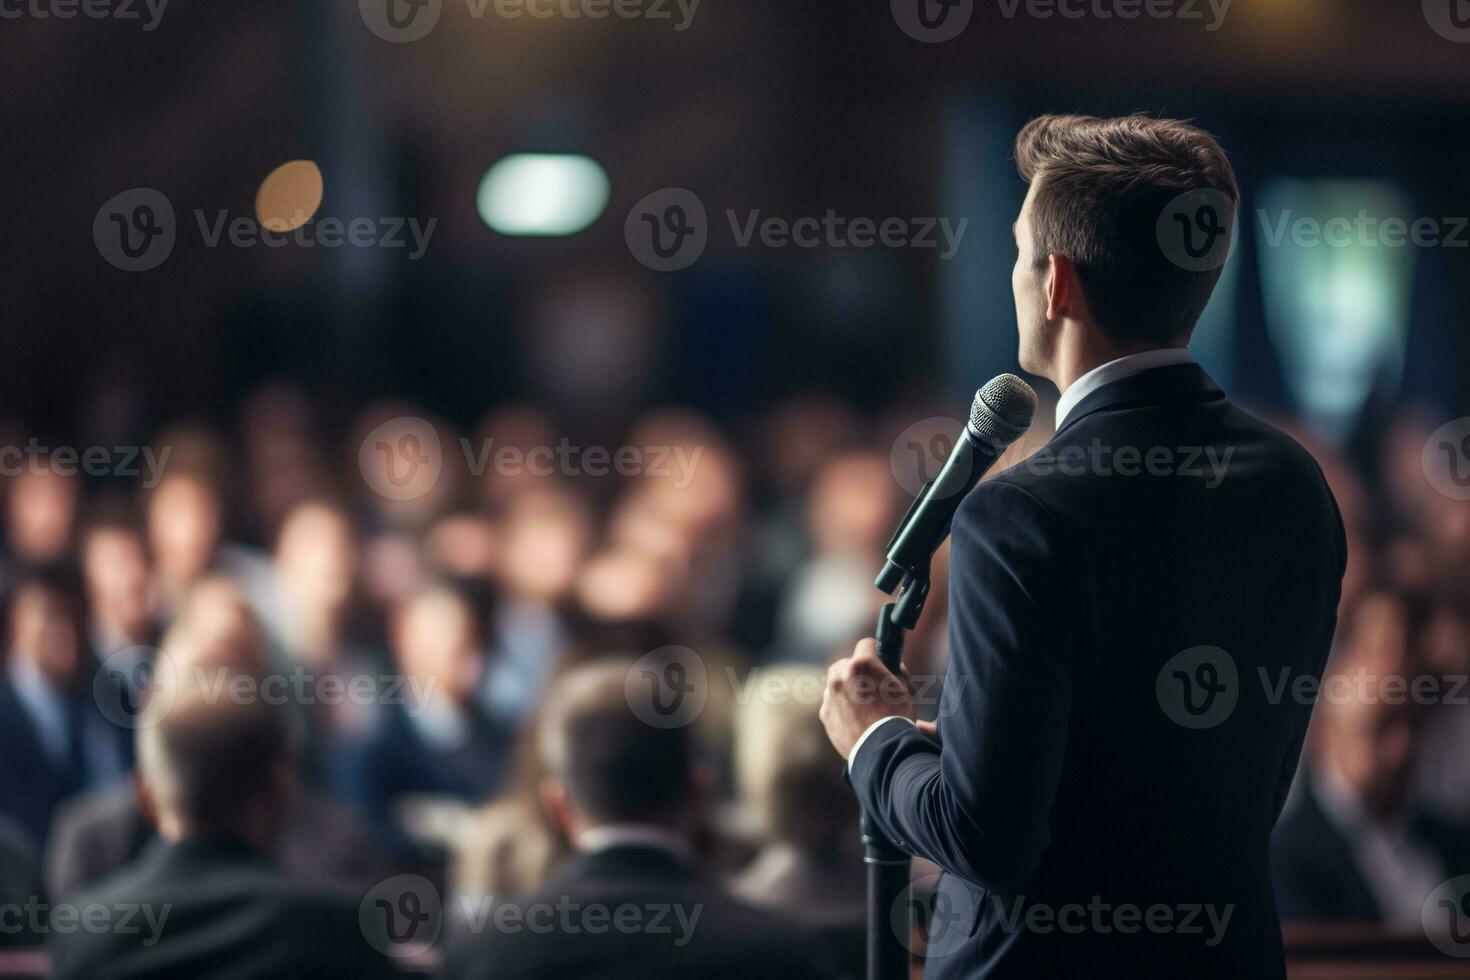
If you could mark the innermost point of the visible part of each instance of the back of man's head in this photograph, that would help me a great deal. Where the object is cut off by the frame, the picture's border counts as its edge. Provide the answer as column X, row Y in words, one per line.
column 614, row 766
column 215, row 757
column 1104, row 191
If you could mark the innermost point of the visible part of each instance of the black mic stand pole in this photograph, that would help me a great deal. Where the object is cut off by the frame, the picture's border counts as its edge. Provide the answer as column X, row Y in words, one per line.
column 888, row 866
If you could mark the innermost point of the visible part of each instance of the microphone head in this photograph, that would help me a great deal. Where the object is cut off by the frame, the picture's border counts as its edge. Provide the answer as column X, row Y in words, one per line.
column 1002, row 410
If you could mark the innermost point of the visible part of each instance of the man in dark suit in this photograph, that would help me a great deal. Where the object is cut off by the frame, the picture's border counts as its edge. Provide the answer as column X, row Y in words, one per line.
column 56, row 740
column 205, row 902
column 1353, row 846
column 98, row 832
column 431, row 741
column 1109, row 759
column 630, row 903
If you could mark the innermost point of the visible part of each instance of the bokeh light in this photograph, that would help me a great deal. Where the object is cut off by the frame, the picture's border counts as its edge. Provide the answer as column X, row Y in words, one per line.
column 543, row 194
column 289, row 196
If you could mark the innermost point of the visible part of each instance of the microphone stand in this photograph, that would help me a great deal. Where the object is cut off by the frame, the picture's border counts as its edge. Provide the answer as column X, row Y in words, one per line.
column 889, row 922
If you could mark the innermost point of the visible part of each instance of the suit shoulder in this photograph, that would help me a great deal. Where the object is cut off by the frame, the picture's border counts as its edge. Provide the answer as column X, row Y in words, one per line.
column 1013, row 494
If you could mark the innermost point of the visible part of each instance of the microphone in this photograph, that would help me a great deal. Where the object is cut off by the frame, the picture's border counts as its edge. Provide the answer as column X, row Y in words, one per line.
column 1001, row 413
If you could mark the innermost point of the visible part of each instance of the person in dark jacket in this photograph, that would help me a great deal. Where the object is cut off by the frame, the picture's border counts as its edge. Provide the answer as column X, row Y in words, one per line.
column 631, row 903
column 206, row 902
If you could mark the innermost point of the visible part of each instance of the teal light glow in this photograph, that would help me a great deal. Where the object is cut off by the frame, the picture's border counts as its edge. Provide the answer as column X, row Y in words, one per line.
column 543, row 194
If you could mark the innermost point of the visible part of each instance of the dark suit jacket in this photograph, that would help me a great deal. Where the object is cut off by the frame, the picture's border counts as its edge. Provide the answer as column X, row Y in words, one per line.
column 1063, row 784
column 20, row 884
column 31, row 784
column 397, row 762
column 219, row 911
column 99, row 832
column 686, row 926
column 1318, row 878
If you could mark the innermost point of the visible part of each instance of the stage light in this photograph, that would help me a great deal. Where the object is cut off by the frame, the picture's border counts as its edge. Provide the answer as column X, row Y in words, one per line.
column 542, row 194
column 289, row 196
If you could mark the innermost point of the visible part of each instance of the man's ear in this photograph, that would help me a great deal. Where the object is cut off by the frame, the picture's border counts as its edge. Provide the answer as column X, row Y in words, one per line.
column 1063, row 288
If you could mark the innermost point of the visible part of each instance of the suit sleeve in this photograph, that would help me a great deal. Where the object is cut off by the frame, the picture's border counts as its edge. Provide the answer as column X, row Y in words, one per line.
column 979, row 806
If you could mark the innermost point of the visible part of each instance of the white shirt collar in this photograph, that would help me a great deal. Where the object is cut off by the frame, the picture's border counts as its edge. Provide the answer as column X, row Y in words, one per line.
column 635, row 834
column 1115, row 370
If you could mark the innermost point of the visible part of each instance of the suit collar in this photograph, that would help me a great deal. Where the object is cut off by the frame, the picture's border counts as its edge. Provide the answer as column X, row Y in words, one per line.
column 202, row 851
column 626, row 862
column 1175, row 382
column 1115, row 370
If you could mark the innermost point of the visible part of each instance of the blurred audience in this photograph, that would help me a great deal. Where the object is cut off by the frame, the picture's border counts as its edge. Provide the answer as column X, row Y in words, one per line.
column 851, row 511
column 427, row 650
column 56, row 740
column 432, row 740
column 630, row 796
column 121, row 605
column 98, row 832
column 811, row 867
column 41, row 514
column 216, row 776
column 1355, row 845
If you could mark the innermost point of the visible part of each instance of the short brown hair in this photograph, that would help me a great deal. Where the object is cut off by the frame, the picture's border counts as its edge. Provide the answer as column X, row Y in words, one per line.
column 615, row 766
column 1104, row 185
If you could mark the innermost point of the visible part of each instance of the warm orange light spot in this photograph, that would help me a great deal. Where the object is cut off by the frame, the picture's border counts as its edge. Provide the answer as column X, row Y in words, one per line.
column 289, row 196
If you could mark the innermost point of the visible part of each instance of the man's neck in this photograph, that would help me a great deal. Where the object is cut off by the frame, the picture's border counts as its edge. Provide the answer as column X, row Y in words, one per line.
column 1085, row 354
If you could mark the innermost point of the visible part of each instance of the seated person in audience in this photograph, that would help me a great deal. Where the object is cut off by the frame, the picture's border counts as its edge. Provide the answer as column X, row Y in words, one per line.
column 312, row 617
column 185, row 520
column 20, row 886
column 630, row 904
column 99, row 832
column 54, row 741
column 216, row 776
column 1352, row 846
column 40, row 516
column 811, row 864
column 432, row 742
column 120, row 599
